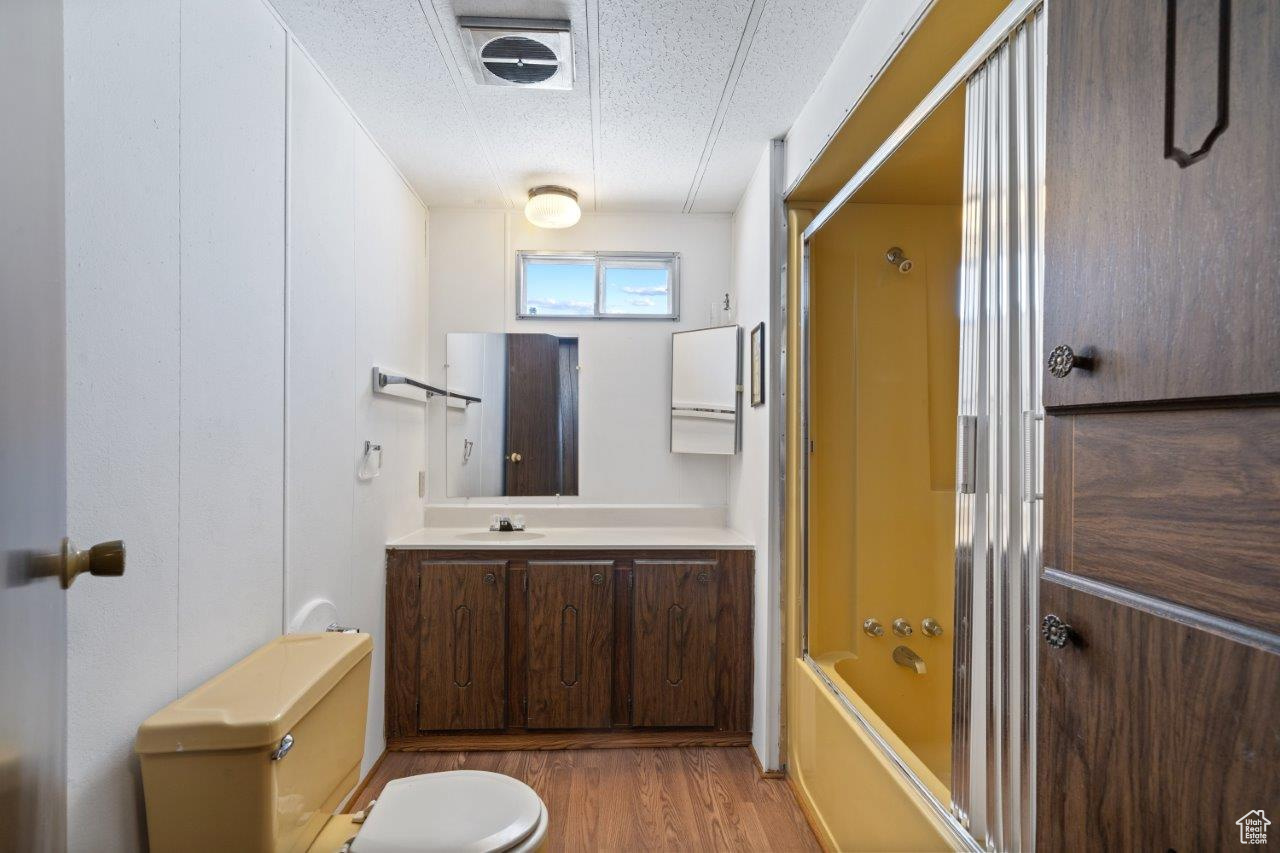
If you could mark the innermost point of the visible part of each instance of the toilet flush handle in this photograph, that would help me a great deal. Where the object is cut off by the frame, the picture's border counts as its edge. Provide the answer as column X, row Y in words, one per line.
column 286, row 744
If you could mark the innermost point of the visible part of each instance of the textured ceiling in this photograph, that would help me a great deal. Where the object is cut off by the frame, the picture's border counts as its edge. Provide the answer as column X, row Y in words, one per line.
column 672, row 104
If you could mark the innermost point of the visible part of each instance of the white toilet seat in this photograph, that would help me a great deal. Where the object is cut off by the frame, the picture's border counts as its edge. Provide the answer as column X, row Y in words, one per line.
column 468, row 811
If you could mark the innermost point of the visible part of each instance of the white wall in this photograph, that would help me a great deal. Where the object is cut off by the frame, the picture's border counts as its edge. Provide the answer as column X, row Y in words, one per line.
column 357, row 297
column 625, row 381
column 749, row 471
column 177, row 120
column 123, row 317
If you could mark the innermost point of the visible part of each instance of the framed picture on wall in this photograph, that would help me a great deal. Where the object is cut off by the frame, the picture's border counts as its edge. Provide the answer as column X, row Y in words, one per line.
column 757, row 365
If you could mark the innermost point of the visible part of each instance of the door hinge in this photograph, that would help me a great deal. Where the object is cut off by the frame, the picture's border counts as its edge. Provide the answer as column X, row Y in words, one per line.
column 631, row 580
column 526, row 581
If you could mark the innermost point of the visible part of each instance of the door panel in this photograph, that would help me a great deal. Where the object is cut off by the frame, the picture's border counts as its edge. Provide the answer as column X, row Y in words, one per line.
column 1182, row 505
column 33, row 613
column 1165, row 274
column 1154, row 735
column 674, row 644
column 570, row 651
column 533, row 415
column 462, row 657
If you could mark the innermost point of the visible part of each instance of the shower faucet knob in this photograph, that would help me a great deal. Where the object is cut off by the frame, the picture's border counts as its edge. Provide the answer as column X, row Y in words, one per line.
column 1063, row 359
column 872, row 627
column 901, row 627
column 930, row 627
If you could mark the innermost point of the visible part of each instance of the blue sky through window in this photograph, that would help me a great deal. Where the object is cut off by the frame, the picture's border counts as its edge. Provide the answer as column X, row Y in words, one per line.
column 636, row 290
column 560, row 288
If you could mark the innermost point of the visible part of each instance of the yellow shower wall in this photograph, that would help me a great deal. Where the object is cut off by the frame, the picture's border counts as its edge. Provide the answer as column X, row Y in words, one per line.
column 884, row 363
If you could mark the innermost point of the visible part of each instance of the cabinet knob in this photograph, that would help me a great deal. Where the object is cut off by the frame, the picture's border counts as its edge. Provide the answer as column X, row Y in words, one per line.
column 704, row 577
column 1063, row 359
column 1055, row 632
column 490, row 578
column 597, row 579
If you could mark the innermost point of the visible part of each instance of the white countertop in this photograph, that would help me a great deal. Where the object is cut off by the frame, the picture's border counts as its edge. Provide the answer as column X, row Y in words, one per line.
column 556, row 538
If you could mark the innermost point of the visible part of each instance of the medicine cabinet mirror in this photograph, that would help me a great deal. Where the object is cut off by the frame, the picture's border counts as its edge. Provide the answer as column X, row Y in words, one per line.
column 706, row 390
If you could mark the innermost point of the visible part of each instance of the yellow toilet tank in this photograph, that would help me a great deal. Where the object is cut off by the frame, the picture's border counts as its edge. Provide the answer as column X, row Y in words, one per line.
column 257, row 758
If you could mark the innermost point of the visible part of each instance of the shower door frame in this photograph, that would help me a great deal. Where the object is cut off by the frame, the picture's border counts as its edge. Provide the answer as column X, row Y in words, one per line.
column 953, row 816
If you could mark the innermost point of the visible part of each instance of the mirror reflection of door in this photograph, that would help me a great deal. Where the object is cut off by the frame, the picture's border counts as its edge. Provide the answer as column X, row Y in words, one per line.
column 518, row 436
column 542, row 384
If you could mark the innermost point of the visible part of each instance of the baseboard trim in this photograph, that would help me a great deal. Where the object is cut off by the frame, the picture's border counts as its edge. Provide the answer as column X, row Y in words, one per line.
column 364, row 783
column 761, row 772
column 564, row 740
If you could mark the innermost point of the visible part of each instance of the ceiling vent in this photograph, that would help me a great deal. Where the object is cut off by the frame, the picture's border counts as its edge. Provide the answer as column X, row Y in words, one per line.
column 531, row 54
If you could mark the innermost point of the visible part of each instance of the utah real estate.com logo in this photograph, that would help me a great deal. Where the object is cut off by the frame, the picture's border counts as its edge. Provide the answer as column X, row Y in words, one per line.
column 1253, row 827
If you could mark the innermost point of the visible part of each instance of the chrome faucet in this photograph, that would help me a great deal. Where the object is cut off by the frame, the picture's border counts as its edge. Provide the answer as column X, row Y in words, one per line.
column 903, row 656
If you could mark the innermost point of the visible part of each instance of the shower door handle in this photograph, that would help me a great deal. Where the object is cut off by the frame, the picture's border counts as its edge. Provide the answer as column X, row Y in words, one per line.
column 967, row 454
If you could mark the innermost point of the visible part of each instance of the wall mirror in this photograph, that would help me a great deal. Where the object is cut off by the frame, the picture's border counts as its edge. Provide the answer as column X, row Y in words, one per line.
column 517, row 434
column 706, row 388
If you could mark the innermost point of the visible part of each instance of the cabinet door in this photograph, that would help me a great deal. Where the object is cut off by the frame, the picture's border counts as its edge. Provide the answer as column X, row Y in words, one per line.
column 674, row 643
column 570, row 649
column 1154, row 734
column 462, row 646
column 1163, row 272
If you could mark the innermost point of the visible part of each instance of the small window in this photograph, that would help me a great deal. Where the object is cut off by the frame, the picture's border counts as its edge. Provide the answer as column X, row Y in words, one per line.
column 602, row 285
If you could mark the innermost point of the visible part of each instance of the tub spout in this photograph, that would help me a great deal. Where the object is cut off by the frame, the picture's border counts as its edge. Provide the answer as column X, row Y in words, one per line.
column 903, row 656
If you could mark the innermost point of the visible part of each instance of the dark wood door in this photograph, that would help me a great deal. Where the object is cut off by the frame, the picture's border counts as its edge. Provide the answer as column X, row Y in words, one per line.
column 570, row 648
column 1154, row 734
column 673, row 680
column 1157, row 714
column 462, row 646
column 1165, row 272
column 533, row 456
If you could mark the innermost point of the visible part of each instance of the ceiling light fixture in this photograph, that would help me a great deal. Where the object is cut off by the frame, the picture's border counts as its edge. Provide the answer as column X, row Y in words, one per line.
column 552, row 207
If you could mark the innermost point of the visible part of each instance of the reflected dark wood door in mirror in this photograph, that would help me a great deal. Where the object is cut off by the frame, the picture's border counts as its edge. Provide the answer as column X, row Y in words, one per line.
column 533, row 454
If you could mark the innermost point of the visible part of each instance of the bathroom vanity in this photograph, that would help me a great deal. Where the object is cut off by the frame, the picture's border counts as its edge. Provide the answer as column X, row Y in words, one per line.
column 568, row 636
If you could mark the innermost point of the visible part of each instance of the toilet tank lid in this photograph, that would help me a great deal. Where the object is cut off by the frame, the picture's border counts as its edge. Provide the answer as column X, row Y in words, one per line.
column 258, row 700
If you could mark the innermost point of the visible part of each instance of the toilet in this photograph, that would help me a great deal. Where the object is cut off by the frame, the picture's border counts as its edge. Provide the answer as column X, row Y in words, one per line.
column 259, row 757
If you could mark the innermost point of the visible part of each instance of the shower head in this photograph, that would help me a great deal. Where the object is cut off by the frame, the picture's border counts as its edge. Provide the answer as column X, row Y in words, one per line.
column 899, row 260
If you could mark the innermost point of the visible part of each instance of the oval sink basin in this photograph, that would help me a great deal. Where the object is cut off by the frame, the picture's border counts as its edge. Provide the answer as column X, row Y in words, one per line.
column 499, row 536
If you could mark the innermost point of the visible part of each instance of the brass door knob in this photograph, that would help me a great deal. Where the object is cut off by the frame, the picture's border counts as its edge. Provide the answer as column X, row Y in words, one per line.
column 106, row 559
column 1055, row 632
column 1063, row 359
column 514, row 457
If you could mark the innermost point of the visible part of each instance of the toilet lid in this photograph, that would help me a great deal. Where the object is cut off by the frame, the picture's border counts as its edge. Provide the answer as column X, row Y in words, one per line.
column 457, row 810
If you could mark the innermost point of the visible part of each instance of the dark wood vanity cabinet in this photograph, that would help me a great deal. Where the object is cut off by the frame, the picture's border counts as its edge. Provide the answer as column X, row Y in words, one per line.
column 525, row 642
column 569, row 666
column 674, row 643
column 1159, row 669
column 461, row 639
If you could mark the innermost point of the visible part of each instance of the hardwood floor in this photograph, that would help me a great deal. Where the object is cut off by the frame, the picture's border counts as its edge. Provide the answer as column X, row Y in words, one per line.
column 689, row 798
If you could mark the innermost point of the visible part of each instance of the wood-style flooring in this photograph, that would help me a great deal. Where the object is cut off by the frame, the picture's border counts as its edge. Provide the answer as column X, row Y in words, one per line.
column 686, row 798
